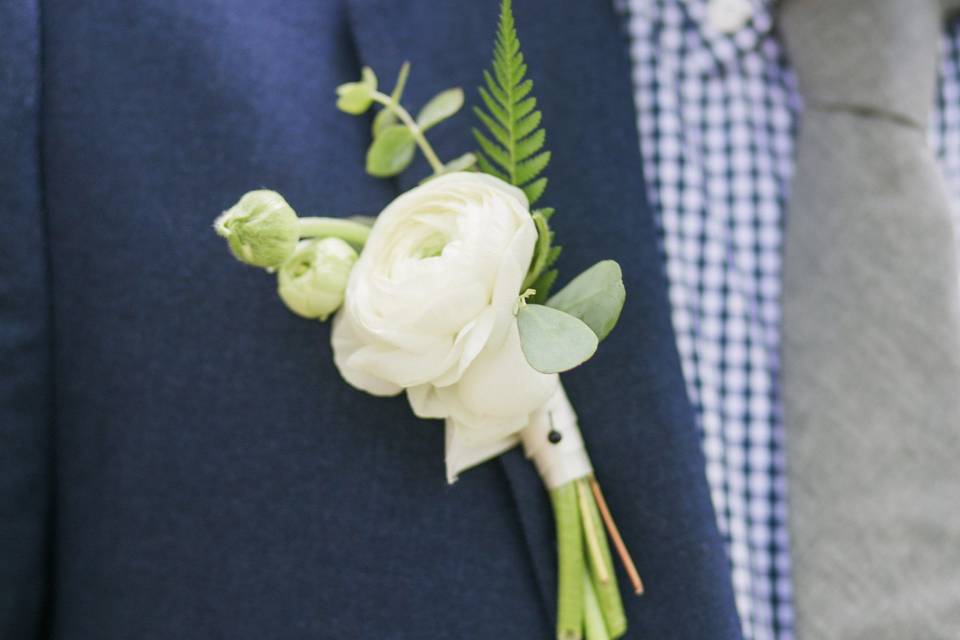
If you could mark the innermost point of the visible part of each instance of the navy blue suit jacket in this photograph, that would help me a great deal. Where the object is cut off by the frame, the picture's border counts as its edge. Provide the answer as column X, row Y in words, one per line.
column 178, row 456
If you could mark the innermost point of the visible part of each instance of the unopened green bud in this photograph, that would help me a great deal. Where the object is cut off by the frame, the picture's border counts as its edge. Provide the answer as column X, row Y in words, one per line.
column 356, row 97
column 312, row 282
column 261, row 229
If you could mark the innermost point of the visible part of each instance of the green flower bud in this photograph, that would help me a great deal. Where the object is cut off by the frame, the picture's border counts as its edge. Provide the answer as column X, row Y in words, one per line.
column 356, row 97
column 311, row 283
column 261, row 229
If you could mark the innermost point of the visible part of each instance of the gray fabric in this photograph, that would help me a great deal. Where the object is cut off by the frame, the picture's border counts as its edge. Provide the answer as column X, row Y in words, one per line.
column 871, row 335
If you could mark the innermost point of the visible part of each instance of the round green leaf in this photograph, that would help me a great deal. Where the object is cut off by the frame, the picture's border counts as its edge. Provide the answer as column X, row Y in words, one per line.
column 356, row 97
column 553, row 341
column 596, row 296
column 391, row 152
column 382, row 120
column 441, row 106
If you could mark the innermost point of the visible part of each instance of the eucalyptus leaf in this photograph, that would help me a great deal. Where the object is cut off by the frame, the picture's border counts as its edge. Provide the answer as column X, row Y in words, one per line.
column 391, row 152
column 595, row 296
column 553, row 341
column 441, row 106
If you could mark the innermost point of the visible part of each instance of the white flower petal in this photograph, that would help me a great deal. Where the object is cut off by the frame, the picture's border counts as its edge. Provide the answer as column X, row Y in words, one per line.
column 435, row 283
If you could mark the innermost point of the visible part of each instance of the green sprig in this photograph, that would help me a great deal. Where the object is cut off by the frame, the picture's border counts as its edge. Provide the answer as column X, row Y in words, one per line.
column 396, row 133
column 512, row 147
column 512, row 142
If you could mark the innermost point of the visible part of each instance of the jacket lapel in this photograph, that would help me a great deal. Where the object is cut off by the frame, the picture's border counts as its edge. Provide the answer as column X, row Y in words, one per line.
column 631, row 398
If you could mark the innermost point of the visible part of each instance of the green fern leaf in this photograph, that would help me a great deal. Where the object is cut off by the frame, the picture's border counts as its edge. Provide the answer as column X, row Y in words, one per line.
column 526, row 126
column 498, row 132
column 512, row 146
column 535, row 189
column 522, row 108
column 489, row 169
column 546, row 212
column 529, row 169
column 552, row 256
column 532, row 144
column 522, row 90
column 499, row 115
column 491, row 150
column 512, row 141
column 494, row 88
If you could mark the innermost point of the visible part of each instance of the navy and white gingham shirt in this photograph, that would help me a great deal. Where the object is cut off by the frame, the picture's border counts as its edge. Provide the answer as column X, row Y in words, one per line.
column 716, row 113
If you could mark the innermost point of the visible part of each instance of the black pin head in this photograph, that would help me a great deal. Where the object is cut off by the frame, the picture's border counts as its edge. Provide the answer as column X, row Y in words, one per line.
column 553, row 436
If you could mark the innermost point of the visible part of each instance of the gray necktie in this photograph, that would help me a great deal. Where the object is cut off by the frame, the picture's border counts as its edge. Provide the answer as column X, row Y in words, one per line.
column 871, row 336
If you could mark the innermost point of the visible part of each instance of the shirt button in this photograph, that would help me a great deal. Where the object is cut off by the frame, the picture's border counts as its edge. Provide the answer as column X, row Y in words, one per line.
column 726, row 16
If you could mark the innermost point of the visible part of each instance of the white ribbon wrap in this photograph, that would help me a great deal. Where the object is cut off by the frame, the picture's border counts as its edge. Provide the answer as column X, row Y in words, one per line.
column 557, row 462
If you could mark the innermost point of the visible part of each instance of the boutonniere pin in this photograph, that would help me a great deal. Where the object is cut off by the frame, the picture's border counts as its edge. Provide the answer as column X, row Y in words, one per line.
column 447, row 296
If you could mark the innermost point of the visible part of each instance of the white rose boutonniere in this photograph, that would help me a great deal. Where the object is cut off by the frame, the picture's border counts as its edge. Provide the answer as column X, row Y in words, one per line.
column 446, row 296
column 430, row 310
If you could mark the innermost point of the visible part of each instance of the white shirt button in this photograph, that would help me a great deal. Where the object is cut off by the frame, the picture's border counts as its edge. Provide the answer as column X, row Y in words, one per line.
column 726, row 16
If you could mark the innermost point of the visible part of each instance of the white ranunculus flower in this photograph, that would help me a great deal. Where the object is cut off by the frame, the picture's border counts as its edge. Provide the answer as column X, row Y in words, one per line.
column 429, row 308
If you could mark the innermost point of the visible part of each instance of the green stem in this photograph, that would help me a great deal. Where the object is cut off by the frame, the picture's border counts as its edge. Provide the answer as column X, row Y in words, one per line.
column 592, row 616
column 348, row 230
column 414, row 128
column 570, row 566
column 608, row 593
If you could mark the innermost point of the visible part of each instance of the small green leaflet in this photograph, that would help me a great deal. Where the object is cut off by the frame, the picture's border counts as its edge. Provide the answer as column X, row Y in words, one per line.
column 394, row 130
column 596, row 297
column 354, row 97
column 441, row 106
column 553, row 341
column 391, row 152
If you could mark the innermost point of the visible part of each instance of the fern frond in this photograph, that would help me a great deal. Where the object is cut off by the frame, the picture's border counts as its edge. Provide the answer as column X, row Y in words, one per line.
column 512, row 147
column 553, row 255
column 512, row 142
column 535, row 189
column 485, row 166
column 527, row 170
column 498, row 132
column 546, row 212
column 526, row 126
column 531, row 144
